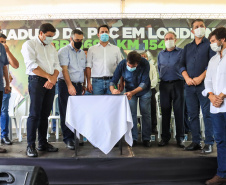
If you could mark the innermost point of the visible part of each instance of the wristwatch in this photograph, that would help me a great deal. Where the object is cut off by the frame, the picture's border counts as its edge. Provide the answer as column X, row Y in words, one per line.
column 209, row 93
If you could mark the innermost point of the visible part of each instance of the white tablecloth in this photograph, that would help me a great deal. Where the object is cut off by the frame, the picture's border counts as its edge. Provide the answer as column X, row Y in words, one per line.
column 102, row 119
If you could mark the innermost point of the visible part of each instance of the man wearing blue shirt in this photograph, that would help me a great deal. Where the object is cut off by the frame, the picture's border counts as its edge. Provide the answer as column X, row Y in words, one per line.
column 135, row 72
column 171, row 90
column 3, row 72
column 71, row 79
column 194, row 62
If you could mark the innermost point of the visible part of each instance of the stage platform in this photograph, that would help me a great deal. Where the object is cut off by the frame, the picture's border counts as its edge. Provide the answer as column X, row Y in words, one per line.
column 138, row 165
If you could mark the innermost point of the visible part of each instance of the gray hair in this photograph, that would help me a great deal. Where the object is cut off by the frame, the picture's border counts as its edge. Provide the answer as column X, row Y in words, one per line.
column 171, row 32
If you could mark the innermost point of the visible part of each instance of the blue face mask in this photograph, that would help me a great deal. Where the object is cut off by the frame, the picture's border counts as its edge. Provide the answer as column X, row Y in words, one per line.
column 131, row 69
column 104, row 37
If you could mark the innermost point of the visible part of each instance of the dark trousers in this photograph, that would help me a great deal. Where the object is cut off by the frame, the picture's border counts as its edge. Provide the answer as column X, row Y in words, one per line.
column 172, row 95
column 194, row 100
column 62, row 98
column 40, row 108
column 219, row 129
column 153, row 109
column 186, row 121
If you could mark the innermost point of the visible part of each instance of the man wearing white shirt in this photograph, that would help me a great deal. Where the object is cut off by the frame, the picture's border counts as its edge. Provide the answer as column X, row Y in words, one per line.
column 71, row 79
column 215, row 90
column 42, row 66
column 103, row 59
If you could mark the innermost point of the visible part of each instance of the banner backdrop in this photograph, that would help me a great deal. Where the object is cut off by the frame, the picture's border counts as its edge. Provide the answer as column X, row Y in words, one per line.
column 127, row 34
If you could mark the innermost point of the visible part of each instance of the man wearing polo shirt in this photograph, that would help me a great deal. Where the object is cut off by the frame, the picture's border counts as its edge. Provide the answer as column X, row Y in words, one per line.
column 42, row 66
column 103, row 59
column 171, row 90
column 194, row 61
column 71, row 79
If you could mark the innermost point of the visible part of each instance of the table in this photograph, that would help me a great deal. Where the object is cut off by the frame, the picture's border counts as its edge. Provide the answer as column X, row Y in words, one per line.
column 102, row 119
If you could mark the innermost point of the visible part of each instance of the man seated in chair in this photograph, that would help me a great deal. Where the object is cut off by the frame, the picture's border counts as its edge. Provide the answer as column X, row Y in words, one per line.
column 135, row 72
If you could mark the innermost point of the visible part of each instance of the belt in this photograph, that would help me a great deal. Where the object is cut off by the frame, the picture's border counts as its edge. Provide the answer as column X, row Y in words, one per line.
column 103, row 78
column 171, row 81
column 62, row 80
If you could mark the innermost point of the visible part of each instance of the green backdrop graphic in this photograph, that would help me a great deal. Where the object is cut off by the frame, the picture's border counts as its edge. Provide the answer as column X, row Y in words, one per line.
column 127, row 34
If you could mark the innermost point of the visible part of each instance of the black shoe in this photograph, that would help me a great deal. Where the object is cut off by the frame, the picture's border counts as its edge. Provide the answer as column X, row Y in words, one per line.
column 146, row 143
column 180, row 144
column 5, row 140
column 81, row 143
column 163, row 143
column 47, row 147
column 193, row 146
column 207, row 149
column 71, row 144
column 134, row 143
column 2, row 150
column 31, row 151
column 154, row 130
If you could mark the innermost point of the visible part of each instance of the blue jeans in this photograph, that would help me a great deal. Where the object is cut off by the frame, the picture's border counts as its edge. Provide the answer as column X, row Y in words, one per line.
column 145, row 110
column 40, row 108
column 194, row 99
column 5, row 115
column 101, row 86
column 56, row 109
column 219, row 129
column 63, row 97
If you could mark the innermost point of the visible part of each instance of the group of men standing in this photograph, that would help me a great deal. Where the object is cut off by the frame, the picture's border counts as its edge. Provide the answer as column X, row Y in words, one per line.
column 178, row 69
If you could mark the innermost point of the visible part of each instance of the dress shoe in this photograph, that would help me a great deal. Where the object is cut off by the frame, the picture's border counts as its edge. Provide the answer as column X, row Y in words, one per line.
column 163, row 143
column 216, row 180
column 180, row 144
column 47, row 147
column 134, row 143
column 207, row 149
column 193, row 146
column 146, row 143
column 71, row 144
column 5, row 140
column 2, row 150
column 31, row 151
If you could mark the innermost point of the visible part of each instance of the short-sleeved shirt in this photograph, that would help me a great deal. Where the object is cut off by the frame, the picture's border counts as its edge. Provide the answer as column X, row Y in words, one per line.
column 76, row 62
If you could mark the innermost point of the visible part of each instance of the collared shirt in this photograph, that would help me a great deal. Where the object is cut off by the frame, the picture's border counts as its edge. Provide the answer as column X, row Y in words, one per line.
column 215, row 79
column 153, row 75
column 76, row 62
column 37, row 55
column 137, row 78
column 195, row 58
column 103, row 60
column 3, row 61
column 168, row 64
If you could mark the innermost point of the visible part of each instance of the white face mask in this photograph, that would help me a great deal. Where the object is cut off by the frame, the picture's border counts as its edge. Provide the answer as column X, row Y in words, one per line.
column 200, row 32
column 170, row 44
column 48, row 40
column 215, row 47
